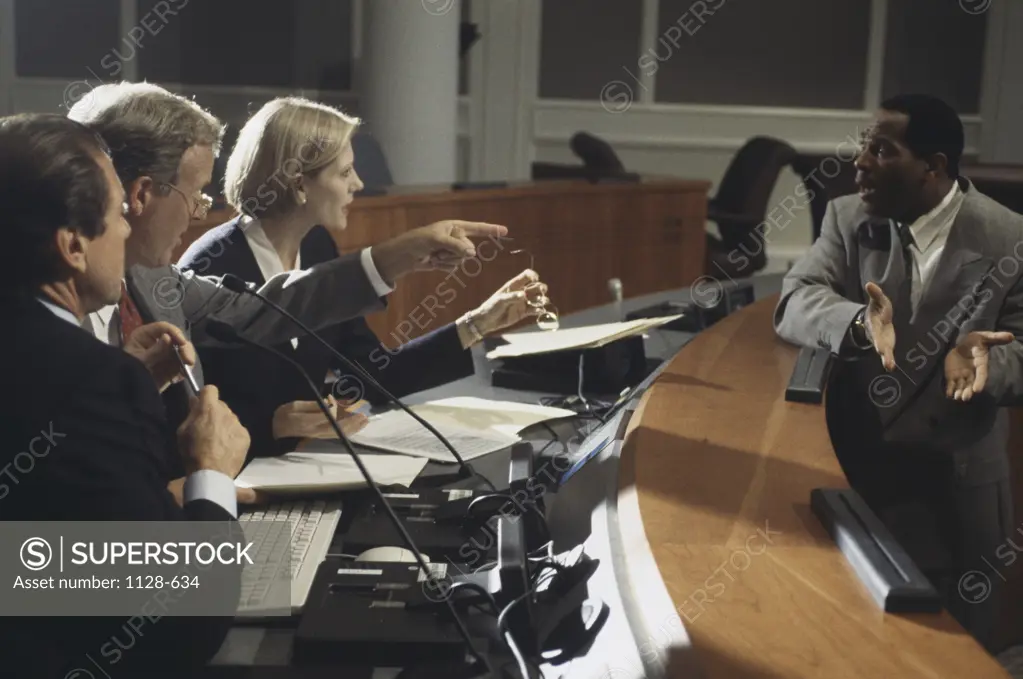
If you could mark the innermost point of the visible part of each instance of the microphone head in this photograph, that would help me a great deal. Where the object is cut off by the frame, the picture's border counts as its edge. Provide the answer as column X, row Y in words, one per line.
column 614, row 286
column 233, row 283
column 222, row 332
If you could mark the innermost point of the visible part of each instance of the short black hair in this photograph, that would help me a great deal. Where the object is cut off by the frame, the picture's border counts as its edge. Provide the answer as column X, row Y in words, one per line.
column 934, row 127
column 49, row 179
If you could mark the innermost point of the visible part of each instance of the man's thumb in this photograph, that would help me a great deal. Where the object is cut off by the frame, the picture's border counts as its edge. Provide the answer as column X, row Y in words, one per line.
column 996, row 338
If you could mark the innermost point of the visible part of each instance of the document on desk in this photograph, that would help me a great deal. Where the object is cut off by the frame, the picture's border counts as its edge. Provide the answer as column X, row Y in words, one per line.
column 586, row 337
column 474, row 426
column 311, row 472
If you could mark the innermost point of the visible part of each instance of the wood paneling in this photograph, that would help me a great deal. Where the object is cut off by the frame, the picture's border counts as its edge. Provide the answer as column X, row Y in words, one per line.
column 649, row 234
column 723, row 467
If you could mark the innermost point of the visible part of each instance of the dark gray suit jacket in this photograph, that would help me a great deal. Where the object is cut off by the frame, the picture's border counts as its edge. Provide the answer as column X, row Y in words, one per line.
column 321, row 296
column 976, row 286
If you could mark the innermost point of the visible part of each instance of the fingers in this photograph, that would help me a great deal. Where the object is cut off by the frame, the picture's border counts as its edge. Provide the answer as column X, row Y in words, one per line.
column 250, row 496
column 523, row 281
column 353, row 423
column 451, row 247
column 996, row 338
column 186, row 351
column 480, row 229
column 208, row 395
column 874, row 292
column 888, row 359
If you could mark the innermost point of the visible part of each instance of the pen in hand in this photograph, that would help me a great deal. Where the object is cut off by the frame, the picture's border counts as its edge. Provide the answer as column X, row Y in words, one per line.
column 187, row 371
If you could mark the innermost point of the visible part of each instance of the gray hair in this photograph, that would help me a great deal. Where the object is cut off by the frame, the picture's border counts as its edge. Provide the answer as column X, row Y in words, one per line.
column 147, row 128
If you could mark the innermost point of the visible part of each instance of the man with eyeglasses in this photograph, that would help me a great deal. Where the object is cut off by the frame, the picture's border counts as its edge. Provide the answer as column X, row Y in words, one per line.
column 163, row 148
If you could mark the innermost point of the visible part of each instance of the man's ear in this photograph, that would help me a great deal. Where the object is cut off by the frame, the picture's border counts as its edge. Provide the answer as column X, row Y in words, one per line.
column 938, row 164
column 71, row 249
column 139, row 194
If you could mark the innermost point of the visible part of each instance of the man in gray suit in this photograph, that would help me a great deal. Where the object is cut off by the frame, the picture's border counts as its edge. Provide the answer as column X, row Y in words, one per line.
column 163, row 147
column 914, row 284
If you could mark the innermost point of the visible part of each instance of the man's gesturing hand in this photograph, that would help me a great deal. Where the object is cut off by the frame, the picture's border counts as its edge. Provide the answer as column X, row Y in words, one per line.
column 966, row 366
column 153, row 344
column 211, row 437
column 442, row 245
column 880, row 328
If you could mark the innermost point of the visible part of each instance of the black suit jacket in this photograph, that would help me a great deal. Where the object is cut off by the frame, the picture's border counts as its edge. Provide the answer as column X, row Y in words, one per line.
column 109, row 455
column 254, row 384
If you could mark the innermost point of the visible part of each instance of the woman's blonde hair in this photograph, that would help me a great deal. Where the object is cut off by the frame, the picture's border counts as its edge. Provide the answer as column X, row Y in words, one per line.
column 288, row 137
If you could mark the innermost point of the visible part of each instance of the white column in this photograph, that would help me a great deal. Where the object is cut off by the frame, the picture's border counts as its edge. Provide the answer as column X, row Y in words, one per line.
column 1001, row 105
column 408, row 89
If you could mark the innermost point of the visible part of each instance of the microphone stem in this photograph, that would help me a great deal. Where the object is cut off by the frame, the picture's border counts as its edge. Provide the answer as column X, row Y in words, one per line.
column 466, row 469
column 406, row 538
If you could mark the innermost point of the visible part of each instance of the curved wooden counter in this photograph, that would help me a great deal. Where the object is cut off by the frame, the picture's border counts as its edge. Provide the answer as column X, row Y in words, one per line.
column 723, row 467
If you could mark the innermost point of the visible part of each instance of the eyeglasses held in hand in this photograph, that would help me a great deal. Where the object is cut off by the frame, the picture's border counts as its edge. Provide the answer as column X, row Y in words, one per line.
column 547, row 313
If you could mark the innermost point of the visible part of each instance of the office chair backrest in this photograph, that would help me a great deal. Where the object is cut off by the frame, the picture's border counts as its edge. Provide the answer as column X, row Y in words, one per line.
column 596, row 154
column 370, row 162
column 825, row 177
column 751, row 176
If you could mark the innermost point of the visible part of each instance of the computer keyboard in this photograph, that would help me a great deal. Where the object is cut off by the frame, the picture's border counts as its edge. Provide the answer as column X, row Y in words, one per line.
column 285, row 560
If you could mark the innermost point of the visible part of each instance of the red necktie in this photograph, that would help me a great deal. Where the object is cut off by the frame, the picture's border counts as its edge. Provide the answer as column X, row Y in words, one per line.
column 129, row 313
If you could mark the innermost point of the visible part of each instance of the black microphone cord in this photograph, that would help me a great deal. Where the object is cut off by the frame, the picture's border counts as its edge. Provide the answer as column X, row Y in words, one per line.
column 236, row 284
column 226, row 333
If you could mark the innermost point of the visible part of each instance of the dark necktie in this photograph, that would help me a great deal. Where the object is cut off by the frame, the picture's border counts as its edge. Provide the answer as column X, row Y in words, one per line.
column 129, row 315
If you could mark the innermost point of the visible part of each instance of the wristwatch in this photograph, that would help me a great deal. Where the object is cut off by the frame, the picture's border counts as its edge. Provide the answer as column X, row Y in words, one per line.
column 858, row 334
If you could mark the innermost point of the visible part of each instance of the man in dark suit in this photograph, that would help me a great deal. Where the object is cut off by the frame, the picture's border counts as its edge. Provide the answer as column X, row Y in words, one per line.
column 260, row 389
column 915, row 285
column 109, row 448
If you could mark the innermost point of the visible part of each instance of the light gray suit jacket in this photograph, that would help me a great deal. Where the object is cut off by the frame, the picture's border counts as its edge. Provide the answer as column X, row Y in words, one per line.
column 976, row 286
column 320, row 296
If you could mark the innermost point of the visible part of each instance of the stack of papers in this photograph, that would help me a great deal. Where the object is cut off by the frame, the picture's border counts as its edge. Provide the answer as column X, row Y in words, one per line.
column 312, row 472
column 474, row 426
column 587, row 337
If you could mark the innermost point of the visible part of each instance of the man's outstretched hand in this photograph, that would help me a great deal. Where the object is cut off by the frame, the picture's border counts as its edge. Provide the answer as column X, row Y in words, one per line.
column 880, row 328
column 441, row 245
column 966, row 366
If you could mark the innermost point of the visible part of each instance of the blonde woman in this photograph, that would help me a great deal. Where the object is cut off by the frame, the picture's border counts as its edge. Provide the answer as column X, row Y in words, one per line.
column 291, row 176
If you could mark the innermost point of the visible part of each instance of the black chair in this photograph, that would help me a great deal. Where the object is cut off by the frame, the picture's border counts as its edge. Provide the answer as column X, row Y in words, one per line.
column 600, row 162
column 740, row 205
column 826, row 177
column 371, row 164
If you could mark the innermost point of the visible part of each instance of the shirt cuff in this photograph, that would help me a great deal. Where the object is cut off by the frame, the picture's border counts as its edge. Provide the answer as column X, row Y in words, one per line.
column 214, row 486
column 381, row 287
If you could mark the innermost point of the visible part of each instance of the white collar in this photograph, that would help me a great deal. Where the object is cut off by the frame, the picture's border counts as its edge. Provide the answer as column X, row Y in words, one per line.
column 927, row 227
column 60, row 312
column 263, row 250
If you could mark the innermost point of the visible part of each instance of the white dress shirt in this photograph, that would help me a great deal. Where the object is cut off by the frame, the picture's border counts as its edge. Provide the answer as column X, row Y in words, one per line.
column 270, row 263
column 205, row 484
column 930, row 233
column 105, row 324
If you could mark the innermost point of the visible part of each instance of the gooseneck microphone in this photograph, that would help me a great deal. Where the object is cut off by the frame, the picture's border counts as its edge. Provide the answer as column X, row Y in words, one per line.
column 614, row 286
column 235, row 284
column 223, row 332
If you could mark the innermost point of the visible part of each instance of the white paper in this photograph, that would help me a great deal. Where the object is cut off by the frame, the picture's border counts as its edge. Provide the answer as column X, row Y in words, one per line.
column 587, row 337
column 504, row 417
column 305, row 472
column 396, row 432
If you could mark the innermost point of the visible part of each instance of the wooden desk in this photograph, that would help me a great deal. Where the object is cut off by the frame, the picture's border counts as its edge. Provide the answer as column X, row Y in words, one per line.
column 649, row 234
column 723, row 467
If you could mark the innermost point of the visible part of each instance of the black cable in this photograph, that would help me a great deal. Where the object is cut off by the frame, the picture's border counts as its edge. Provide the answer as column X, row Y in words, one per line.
column 406, row 538
column 236, row 284
column 509, row 638
column 477, row 588
column 507, row 496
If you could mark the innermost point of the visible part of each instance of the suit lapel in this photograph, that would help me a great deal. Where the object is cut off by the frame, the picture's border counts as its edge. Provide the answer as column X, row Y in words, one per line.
column 948, row 302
